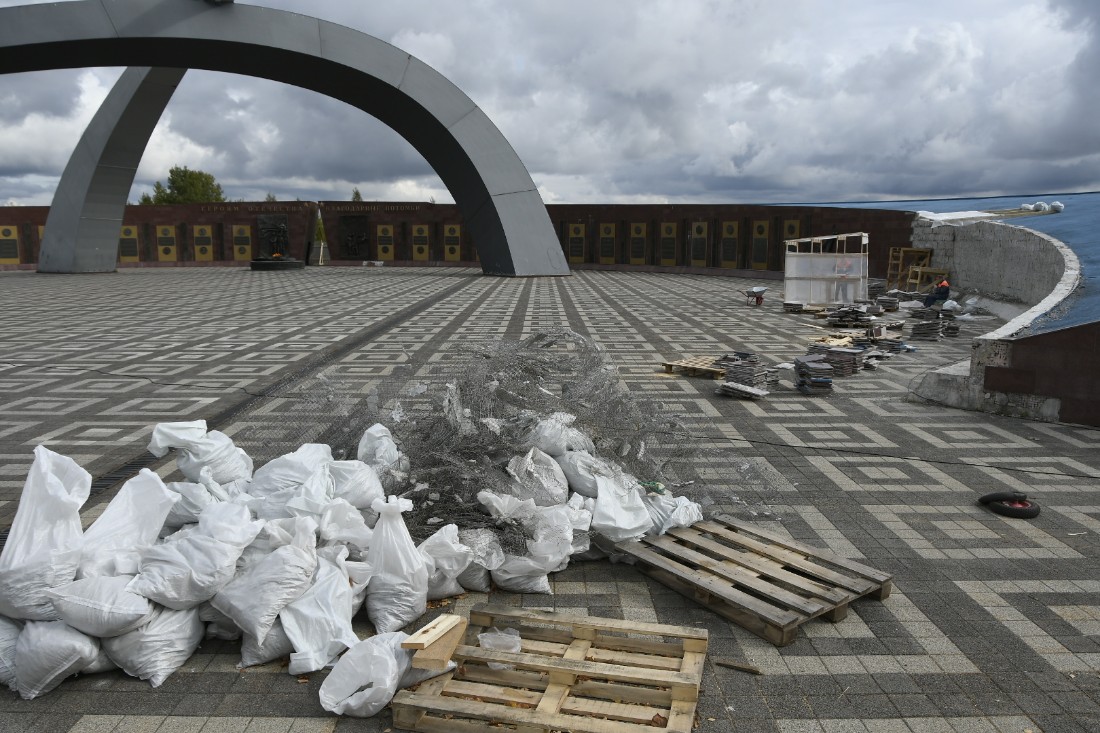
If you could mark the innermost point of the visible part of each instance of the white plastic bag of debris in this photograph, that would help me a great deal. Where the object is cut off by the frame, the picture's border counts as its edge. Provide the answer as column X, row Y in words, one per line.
column 506, row 507
column 554, row 435
column 256, row 595
column 192, row 565
column 275, row 645
column 524, row 574
column 45, row 541
column 101, row 606
column 581, row 469
column 218, row 625
column 341, row 522
column 102, row 663
column 193, row 498
column 619, row 513
column 305, row 471
column 369, row 674
column 538, row 477
column 198, row 448
column 669, row 511
column 378, row 450
column 487, row 555
column 9, row 634
column 154, row 651
column 398, row 590
column 127, row 527
column 319, row 623
column 274, row 534
column 358, row 484
column 446, row 558
column 579, row 510
column 359, row 575
column 548, row 553
column 46, row 653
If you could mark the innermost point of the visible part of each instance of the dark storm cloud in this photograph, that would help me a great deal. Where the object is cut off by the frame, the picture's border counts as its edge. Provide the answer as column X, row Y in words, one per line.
column 51, row 93
column 655, row 100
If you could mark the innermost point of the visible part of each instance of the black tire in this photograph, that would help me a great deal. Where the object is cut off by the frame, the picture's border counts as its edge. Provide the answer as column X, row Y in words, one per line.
column 1003, row 496
column 1021, row 509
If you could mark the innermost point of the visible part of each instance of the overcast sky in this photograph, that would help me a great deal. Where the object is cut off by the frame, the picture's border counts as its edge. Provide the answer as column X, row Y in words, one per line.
column 643, row 101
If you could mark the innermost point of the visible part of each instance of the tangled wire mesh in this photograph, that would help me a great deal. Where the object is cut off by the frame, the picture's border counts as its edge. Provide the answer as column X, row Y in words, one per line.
column 482, row 419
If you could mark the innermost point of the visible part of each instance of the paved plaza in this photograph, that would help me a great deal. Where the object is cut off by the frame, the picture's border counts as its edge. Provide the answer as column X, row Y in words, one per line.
column 993, row 625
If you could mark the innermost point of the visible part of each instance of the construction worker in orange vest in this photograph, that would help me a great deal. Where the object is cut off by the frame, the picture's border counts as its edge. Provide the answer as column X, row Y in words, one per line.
column 942, row 291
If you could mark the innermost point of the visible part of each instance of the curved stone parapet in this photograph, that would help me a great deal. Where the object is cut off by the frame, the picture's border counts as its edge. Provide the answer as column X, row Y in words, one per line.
column 1031, row 272
column 499, row 202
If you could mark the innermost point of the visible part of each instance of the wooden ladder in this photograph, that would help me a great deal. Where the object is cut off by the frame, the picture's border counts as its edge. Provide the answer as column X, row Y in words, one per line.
column 901, row 259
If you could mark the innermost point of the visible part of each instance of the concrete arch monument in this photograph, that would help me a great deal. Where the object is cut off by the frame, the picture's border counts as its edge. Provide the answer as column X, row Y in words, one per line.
column 493, row 190
column 82, row 228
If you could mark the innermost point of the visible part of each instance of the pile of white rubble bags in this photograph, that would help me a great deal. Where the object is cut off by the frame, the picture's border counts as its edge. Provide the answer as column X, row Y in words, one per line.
column 282, row 558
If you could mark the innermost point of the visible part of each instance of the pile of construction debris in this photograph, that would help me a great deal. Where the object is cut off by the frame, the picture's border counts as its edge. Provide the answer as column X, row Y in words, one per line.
column 499, row 482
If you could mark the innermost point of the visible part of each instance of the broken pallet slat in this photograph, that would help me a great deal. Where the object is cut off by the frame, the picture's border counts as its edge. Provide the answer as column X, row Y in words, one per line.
column 432, row 631
column 583, row 674
column 437, row 655
column 768, row 584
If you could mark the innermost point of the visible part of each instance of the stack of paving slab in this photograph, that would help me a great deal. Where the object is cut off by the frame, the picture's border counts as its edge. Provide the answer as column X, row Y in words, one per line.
column 745, row 375
column 849, row 316
column 888, row 303
column 872, row 357
column 791, row 306
column 814, row 375
column 924, row 314
column 928, row 330
column 950, row 325
column 845, row 362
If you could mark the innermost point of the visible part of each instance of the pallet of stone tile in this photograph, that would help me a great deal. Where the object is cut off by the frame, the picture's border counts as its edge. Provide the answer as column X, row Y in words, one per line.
column 791, row 306
column 766, row 583
column 572, row 673
column 695, row 365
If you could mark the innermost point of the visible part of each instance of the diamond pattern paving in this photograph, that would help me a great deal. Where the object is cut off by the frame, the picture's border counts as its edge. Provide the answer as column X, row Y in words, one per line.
column 994, row 623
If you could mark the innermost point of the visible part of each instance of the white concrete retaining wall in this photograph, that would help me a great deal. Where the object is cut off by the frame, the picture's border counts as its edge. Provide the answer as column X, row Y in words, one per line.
column 1000, row 261
column 1003, row 263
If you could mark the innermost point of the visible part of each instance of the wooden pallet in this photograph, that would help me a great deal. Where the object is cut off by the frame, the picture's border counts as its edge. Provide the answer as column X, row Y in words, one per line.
column 573, row 673
column 694, row 365
column 766, row 583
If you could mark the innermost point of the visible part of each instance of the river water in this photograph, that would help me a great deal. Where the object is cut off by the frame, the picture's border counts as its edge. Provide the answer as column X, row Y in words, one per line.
column 1078, row 226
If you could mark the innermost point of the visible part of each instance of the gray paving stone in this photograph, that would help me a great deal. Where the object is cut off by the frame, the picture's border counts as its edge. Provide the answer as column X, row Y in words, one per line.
column 151, row 348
